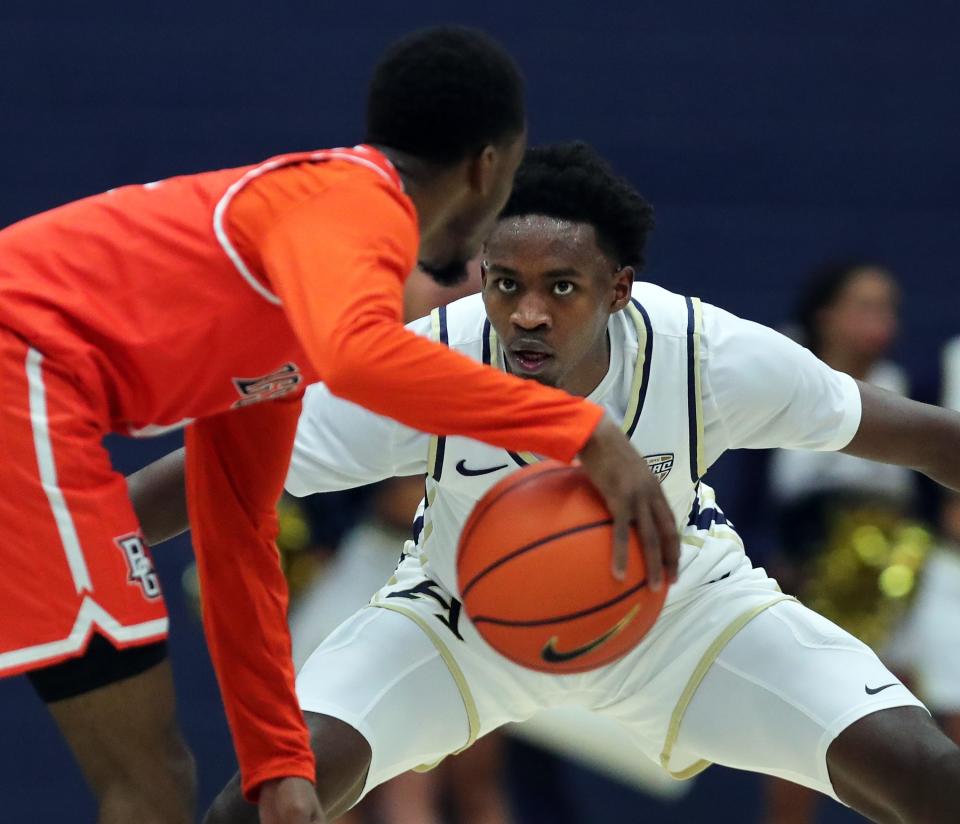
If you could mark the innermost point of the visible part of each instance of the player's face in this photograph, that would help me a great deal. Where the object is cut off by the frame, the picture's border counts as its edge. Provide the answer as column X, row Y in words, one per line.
column 489, row 180
column 549, row 292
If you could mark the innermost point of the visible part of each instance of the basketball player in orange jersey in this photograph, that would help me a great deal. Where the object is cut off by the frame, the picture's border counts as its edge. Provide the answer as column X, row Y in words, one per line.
column 210, row 301
column 734, row 671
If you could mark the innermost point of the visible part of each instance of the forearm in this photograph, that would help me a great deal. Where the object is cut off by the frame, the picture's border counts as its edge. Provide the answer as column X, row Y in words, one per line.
column 159, row 496
column 897, row 430
column 939, row 449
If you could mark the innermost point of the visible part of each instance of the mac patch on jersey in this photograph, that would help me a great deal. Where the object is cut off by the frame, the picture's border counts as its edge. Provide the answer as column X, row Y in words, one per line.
column 660, row 465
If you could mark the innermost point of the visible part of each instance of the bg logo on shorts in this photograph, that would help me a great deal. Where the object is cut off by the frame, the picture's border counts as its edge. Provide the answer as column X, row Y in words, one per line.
column 253, row 390
column 140, row 565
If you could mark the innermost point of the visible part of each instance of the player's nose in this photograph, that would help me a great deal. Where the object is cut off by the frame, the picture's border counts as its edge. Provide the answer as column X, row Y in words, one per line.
column 530, row 312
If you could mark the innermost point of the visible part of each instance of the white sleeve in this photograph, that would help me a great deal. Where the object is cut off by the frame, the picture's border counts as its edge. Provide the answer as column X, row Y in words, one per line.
column 762, row 390
column 340, row 445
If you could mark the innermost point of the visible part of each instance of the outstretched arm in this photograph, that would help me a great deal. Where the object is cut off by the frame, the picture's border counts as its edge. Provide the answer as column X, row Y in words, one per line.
column 897, row 430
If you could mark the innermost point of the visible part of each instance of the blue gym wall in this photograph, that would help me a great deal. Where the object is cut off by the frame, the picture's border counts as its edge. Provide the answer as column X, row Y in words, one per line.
column 768, row 135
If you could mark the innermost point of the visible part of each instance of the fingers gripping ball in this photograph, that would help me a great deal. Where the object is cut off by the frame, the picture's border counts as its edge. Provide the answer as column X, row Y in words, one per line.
column 533, row 567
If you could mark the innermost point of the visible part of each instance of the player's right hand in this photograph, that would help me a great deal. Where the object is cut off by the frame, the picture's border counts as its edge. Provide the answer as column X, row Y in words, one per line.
column 634, row 498
column 289, row 801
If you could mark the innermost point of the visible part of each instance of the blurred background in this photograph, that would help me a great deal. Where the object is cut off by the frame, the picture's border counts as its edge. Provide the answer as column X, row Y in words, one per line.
column 771, row 138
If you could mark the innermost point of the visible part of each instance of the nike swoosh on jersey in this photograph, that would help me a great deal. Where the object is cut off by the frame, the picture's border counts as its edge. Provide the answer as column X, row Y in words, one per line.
column 875, row 690
column 463, row 469
column 552, row 655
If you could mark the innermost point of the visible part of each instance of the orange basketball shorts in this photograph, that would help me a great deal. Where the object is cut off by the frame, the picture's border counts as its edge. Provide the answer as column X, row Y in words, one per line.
column 72, row 558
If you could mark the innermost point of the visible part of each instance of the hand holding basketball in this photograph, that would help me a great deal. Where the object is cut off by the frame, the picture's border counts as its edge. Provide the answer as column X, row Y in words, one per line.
column 634, row 498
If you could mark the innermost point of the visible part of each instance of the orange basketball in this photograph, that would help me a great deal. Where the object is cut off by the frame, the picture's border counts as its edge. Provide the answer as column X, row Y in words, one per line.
column 533, row 568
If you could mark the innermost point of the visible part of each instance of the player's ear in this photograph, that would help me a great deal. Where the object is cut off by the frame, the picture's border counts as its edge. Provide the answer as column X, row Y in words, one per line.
column 483, row 269
column 482, row 170
column 622, row 287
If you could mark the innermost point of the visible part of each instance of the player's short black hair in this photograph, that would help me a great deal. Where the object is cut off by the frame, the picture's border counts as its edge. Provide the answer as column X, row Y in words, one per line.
column 443, row 94
column 822, row 289
column 571, row 181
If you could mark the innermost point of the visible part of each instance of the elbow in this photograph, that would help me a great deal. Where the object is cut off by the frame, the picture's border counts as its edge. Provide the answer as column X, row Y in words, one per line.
column 352, row 368
column 364, row 353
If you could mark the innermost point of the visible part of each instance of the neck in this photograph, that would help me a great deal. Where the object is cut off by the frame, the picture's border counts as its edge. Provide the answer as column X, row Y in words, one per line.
column 592, row 372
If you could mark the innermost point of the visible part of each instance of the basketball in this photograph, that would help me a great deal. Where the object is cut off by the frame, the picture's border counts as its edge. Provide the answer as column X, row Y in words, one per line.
column 534, row 571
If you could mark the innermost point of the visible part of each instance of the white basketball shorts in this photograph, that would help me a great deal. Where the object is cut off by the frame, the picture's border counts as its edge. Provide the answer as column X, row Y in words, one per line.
column 735, row 674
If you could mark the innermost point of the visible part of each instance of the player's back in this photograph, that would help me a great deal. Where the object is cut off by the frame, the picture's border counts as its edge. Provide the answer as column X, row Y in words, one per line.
column 141, row 290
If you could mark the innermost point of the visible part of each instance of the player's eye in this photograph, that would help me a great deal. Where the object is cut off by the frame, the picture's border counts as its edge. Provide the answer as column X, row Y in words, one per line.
column 563, row 287
column 507, row 285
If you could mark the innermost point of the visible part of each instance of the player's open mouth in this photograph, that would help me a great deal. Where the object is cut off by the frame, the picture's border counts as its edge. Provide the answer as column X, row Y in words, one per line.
column 530, row 361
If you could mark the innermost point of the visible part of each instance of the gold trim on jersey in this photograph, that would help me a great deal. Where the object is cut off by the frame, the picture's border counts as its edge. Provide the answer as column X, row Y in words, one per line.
column 715, row 531
column 706, row 661
column 469, row 703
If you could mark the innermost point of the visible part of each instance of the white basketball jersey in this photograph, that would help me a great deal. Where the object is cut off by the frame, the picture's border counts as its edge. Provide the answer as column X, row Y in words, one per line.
column 652, row 387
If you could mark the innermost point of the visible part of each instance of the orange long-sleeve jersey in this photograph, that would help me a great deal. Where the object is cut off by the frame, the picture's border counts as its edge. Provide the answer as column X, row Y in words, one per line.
column 203, row 295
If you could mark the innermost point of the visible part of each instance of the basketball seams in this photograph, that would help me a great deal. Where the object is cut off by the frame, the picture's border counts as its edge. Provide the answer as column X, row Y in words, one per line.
column 532, row 546
column 509, row 484
column 488, row 552
column 572, row 616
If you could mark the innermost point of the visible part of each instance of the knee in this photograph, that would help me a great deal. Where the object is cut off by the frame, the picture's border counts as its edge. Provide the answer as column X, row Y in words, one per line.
column 183, row 768
column 228, row 810
column 162, row 791
column 933, row 794
column 924, row 786
column 343, row 761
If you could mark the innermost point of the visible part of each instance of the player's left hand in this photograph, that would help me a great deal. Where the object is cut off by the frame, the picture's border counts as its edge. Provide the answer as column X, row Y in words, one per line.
column 289, row 801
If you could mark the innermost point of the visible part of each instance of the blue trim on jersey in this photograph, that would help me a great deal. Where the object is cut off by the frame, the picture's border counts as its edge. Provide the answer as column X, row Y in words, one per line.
column 438, row 463
column 517, row 459
column 442, row 316
column 647, row 359
column 691, row 391
column 487, row 357
column 441, row 439
column 705, row 518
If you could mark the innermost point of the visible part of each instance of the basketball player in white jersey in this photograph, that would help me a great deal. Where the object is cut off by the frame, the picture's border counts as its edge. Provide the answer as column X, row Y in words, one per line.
column 734, row 671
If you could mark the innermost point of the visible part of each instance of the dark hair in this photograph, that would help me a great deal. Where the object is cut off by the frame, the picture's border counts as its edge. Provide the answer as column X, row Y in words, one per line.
column 571, row 181
column 444, row 93
column 823, row 287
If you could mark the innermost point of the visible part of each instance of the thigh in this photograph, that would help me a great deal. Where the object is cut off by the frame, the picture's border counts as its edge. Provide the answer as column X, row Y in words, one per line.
column 413, row 678
column 783, row 688
column 382, row 675
column 73, row 557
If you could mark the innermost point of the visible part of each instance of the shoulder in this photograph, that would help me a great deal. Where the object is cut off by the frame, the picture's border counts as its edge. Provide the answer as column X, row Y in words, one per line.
column 668, row 313
column 462, row 325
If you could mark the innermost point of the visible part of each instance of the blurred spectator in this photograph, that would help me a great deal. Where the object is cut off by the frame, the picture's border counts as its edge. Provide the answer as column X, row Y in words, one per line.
column 848, row 318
